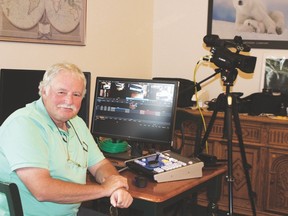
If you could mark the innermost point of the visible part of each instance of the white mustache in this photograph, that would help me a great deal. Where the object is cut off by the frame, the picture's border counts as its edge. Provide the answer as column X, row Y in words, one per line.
column 67, row 106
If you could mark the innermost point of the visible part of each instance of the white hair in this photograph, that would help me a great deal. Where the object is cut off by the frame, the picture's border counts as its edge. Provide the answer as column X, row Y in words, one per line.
column 57, row 68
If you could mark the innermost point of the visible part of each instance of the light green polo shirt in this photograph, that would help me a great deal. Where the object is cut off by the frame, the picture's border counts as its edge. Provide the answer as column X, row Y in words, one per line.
column 29, row 138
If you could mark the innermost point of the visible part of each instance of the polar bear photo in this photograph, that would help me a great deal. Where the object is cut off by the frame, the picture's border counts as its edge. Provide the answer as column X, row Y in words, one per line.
column 253, row 16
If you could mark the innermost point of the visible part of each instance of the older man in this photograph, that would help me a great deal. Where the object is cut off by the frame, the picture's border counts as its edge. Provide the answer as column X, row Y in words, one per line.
column 46, row 149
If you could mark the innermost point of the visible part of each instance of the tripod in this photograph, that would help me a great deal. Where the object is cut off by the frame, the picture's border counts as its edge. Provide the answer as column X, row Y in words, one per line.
column 231, row 113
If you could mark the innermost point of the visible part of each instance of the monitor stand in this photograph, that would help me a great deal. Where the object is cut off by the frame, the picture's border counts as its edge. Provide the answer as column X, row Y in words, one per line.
column 136, row 149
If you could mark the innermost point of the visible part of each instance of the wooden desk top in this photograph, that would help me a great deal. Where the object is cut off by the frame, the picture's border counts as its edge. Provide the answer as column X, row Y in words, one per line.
column 159, row 192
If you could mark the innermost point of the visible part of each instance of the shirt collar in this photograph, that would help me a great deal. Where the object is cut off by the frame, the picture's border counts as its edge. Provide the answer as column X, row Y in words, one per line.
column 42, row 109
column 40, row 106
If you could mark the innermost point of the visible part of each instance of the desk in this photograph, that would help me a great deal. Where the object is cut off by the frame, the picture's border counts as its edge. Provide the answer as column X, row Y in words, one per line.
column 156, row 196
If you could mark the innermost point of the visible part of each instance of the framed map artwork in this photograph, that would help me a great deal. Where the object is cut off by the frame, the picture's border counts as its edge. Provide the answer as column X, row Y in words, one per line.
column 43, row 21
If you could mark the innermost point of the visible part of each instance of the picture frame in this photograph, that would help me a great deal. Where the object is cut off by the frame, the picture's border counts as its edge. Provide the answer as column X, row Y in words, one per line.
column 224, row 21
column 274, row 76
column 49, row 22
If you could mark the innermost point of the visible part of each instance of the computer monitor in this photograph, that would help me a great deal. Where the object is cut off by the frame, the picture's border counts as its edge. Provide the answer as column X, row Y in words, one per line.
column 135, row 110
column 20, row 86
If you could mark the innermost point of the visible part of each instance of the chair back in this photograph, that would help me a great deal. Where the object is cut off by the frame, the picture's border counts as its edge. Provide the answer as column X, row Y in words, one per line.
column 10, row 190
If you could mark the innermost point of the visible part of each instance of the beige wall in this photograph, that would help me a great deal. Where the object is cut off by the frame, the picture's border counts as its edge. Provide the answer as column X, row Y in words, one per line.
column 137, row 38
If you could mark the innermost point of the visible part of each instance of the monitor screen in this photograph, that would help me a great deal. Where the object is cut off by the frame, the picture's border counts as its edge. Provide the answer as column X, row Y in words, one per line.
column 137, row 110
column 20, row 86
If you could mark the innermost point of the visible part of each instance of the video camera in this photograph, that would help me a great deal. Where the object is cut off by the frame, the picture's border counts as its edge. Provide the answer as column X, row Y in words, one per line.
column 224, row 58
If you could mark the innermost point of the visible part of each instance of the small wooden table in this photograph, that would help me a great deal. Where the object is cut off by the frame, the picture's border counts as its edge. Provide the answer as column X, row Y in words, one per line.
column 152, row 199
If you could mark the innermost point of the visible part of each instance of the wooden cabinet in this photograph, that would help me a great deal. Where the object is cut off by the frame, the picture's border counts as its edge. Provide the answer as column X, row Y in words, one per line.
column 266, row 149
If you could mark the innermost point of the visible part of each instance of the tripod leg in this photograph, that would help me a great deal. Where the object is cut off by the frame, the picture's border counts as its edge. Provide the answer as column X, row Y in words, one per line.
column 219, row 101
column 228, row 123
column 245, row 164
column 207, row 133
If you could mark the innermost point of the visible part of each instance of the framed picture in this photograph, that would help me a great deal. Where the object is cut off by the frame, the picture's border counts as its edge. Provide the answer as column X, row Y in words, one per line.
column 260, row 23
column 43, row 21
column 275, row 74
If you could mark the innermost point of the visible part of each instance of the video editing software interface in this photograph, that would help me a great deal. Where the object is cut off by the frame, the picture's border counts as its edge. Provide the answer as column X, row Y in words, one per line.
column 136, row 110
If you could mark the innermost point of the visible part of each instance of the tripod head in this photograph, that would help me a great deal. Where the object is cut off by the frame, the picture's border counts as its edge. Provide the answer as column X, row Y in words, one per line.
column 227, row 76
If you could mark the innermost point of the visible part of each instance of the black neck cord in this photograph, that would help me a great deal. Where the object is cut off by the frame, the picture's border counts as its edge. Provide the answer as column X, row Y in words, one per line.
column 83, row 144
